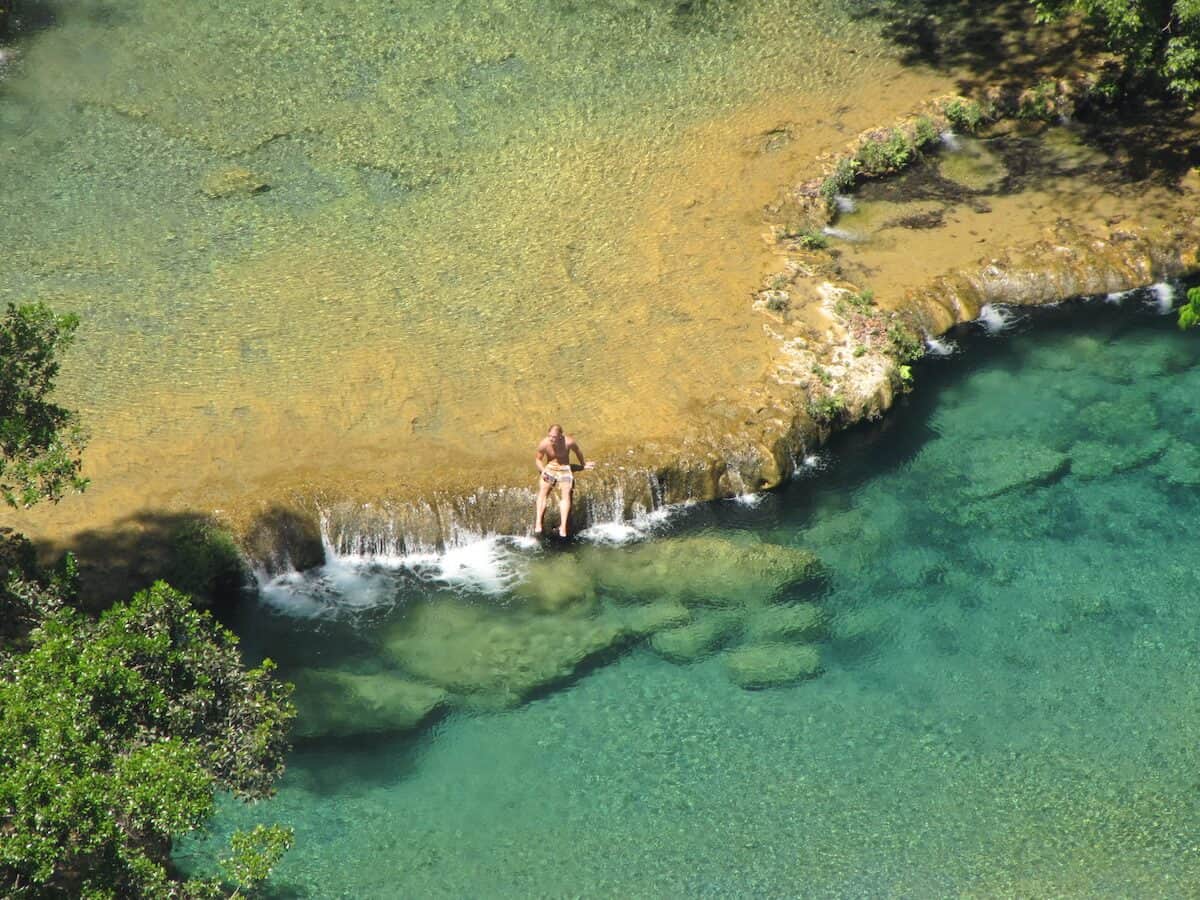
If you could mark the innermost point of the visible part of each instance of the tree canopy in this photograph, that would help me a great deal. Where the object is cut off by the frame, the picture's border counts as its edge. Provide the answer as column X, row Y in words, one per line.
column 1157, row 39
column 114, row 737
column 40, row 442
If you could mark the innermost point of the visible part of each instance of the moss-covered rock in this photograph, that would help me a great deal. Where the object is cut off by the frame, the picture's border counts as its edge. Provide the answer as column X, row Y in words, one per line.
column 772, row 664
column 233, row 181
column 1119, row 437
column 654, row 617
column 698, row 639
column 556, row 582
column 1179, row 464
column 804, row 622
column 702, row 571
column 995, row 466
column 1100, row 459
column 495, row 657
column 338, row 704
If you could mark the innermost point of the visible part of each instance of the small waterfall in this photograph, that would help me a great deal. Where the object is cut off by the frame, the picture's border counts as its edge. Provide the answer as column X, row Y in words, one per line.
column 1162, row 297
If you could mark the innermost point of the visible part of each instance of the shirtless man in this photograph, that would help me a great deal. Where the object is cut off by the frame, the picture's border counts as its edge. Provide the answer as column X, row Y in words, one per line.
column 553, row 459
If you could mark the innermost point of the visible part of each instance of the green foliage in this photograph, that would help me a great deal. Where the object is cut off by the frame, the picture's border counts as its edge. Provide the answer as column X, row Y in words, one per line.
column 1158, row 40
column 40, row 442
column 864, row 299
column 880, row 156
column 925, row 132
column 1189, row 313
column 28, row 592
column 114, row 736
column 906, row 375
column 965, row 116
column 1039, row 102
column 205, row 562
column 862, row 302
column 255, row 854
column 906, row 343
column 826, row 410
column 840, row 180
column 806, row 238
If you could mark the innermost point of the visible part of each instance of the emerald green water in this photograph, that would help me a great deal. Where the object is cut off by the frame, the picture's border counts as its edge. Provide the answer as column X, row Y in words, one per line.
column 1009, row 705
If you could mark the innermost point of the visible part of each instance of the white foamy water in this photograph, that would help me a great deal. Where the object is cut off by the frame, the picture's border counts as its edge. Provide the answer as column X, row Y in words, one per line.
column 751, row 499
column 639, row 528
column 1162, row 297
column 842, row 234
column 845, row 203
column 996, row 319
column 1118, row 297
column 353, row 582
column 940, row 346
column 950, row 141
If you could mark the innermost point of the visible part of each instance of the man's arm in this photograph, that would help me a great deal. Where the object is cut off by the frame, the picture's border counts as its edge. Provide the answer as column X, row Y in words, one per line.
column 572, row 444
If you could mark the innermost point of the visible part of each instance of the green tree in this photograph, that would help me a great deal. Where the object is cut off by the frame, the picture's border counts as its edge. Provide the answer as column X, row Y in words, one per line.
column 115, row 736
column 40, row 442
column 1189, row 313
column 1158, row 40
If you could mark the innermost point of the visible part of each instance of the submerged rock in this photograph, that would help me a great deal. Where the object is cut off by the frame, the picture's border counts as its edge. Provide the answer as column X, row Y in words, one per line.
column 1180, row 464
column 497, row 658
column 696, row 640
column 695, row 571
column 769, row 665
column 996, row 466
column 785, row 623
column 557, row 582
column 1096, row 459
column 644, row 620
column 1121, row 436
column 234, row 181
column 704, row 571
column 338, row 704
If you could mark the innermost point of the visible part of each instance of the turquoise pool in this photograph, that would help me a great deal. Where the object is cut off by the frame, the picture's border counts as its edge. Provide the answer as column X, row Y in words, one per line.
column 1009, row 703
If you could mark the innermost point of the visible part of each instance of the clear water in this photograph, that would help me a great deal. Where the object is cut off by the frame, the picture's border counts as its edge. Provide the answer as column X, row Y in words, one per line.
column 1009, row 702
column 463, row 199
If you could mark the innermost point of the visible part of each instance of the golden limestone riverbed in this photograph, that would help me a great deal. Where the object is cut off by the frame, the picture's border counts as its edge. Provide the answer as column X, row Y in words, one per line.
column 380, row 284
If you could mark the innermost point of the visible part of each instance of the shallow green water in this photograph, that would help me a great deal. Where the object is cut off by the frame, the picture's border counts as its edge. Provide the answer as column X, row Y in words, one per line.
column 1009, row 705
column 429, row 166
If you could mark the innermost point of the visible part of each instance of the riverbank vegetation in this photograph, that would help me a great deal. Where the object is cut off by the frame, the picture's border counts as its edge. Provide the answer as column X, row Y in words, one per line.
column 115, row 733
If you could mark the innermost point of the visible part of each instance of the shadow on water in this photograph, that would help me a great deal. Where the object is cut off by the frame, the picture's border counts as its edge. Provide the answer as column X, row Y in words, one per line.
column 996, row 45
column 22, row 17
column 368, row 760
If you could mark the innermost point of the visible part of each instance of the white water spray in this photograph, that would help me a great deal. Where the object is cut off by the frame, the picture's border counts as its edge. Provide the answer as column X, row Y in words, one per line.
column 996, row 319
column 940, row 346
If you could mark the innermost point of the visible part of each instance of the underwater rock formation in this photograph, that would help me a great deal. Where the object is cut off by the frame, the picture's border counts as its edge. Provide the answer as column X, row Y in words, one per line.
column 770, row 665
column 493, row 658
column 697, row 639
column 331, row 702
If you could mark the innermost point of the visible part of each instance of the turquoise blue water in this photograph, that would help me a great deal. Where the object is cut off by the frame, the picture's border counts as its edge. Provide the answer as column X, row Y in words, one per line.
column 1010, row 702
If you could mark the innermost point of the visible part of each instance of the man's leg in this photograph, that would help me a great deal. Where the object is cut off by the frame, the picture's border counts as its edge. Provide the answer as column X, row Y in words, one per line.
column 565, row 490
column 544, row 488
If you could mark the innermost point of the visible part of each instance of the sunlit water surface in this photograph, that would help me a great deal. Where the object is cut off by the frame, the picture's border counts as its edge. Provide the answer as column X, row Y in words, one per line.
column 1009, row 705
column 348, row 245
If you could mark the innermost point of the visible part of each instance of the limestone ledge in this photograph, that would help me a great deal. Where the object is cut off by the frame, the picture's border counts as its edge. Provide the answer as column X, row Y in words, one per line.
column 758, row 440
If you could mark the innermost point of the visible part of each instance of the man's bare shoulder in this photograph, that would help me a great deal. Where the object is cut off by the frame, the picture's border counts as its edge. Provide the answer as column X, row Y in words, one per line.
column 570, row 439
